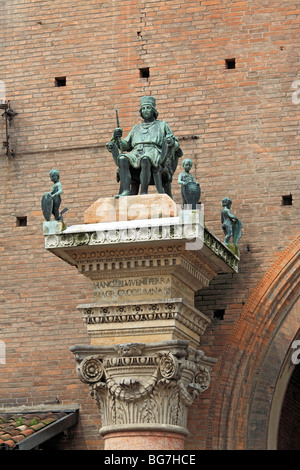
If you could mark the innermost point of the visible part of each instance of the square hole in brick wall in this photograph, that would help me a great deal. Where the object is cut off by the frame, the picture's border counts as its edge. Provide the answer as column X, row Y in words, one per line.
column 219, row 314
column 21, row 221
column 145, row 72
column 60, row 81
column 230, row 63
column 287, row 200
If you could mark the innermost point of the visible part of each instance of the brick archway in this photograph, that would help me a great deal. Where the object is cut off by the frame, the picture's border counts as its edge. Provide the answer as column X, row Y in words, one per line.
column 256, row 352
column 284, row 423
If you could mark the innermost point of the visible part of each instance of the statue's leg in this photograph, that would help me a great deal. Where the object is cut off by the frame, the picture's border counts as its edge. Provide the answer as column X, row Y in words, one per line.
column 158, row 180
column 145, row 174
column 135, row 181
column 166, row 183
column 125, row 176
column 228, row 234
column 55, row 211
column 184, row 201
column 134, row 188
column 55, row 207
column 167, row 189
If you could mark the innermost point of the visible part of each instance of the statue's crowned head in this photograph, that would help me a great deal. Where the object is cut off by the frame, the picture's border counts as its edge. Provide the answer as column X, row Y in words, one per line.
column 150, row 101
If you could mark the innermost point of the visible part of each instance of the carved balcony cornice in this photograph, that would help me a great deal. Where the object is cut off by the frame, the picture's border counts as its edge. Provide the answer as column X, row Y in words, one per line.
column 91, row 241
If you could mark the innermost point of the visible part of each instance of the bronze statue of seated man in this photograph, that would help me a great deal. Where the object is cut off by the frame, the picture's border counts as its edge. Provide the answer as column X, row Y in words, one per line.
column 148, row 155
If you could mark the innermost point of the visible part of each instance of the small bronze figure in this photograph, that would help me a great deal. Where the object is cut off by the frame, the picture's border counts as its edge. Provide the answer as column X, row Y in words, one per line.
column 51, row 200
column 231, row 225
column 190, row 189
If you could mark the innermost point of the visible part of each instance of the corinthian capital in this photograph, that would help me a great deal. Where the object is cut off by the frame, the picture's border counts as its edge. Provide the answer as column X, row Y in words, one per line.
column 144, row 385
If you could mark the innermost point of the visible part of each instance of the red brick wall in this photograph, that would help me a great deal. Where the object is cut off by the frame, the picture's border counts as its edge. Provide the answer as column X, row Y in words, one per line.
column 240, row 127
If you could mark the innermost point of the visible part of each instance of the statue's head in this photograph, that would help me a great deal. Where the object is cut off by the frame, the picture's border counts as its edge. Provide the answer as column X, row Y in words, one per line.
column 148, row 101
column 187, row 163
column 226, row 202
column 54, row 174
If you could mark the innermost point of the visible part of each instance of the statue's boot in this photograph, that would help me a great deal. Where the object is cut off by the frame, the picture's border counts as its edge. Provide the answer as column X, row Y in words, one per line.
column 125, row 177
column 123, row 193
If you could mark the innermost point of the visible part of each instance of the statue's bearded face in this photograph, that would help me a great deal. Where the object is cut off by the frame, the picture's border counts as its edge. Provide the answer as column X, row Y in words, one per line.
column 147, row 112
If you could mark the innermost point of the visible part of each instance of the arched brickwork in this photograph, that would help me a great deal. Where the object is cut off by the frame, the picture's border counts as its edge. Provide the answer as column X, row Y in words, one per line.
column 252, row 362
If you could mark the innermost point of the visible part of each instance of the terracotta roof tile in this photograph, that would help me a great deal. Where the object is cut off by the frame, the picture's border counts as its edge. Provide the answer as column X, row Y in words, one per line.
column 27, row 432
column 10, row 443
column 16, row 427
column 22, row 428
column 18, row 438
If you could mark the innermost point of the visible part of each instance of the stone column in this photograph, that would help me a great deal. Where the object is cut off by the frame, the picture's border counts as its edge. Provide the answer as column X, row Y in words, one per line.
column 143, row 365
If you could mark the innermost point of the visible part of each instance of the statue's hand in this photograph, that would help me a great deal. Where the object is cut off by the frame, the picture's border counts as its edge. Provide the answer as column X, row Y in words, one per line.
column 170, row 140
column 118, row 132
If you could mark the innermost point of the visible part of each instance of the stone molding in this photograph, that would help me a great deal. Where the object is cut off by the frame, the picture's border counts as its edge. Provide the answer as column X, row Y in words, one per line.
column 144, row 386
column 124, row 233
column 166, row 317
column 221, row 250
column 140, row 232
column 145, row 311
column 191, row 267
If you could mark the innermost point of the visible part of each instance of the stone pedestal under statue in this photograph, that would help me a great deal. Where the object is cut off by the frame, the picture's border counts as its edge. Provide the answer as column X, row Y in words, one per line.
column 146, row 259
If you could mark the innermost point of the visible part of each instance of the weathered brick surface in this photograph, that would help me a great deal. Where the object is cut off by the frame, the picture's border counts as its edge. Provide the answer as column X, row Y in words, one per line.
column 240, row 127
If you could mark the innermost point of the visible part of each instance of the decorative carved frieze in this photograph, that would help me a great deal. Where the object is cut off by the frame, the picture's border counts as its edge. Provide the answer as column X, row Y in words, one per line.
column 172, row 318
column 219, row 249
column 112, row 235
column 140, row 385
